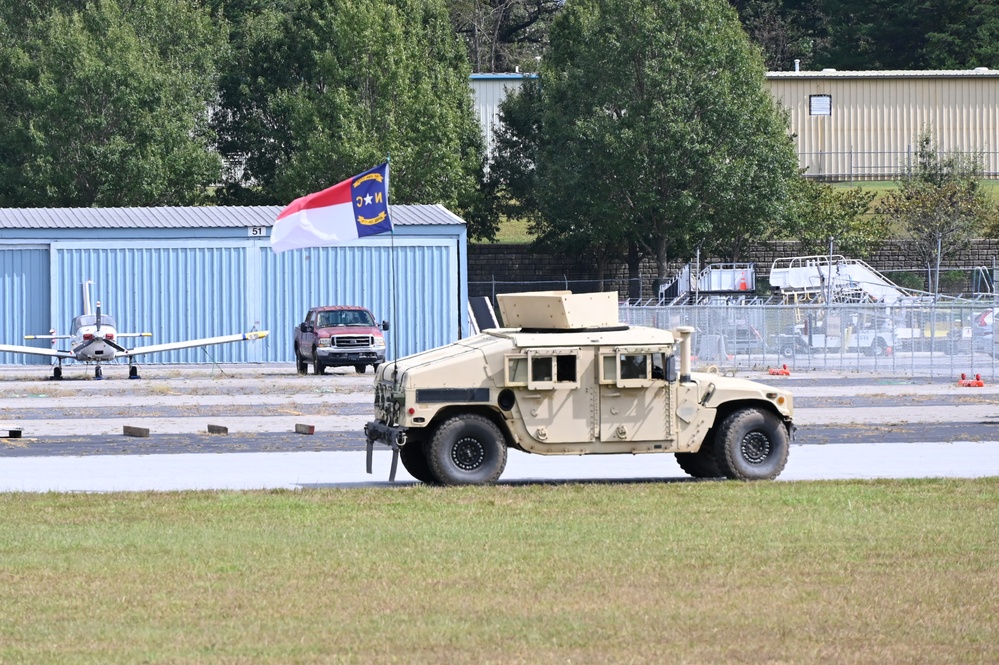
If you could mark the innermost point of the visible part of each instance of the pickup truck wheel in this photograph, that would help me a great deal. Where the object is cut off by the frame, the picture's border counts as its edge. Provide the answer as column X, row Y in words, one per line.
column 467, row 450
column 317, row 365
column 414, row 460
column 701, row 464
column 300, row 364
column 751, row 444
column 360, row 369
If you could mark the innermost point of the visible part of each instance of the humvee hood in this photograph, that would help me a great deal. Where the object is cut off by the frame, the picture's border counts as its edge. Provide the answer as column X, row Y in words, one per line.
column 450, row 364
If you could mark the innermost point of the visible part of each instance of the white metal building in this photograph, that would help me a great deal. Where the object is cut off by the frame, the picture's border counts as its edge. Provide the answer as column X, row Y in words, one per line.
column 855, row 125
column 864, row 125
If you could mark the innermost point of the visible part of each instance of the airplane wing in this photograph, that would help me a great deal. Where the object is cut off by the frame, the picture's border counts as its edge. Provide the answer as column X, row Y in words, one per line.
column 36, row 351
column 207, row 341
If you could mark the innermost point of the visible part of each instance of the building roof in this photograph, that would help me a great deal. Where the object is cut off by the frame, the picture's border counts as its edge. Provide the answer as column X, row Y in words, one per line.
column 180, row 217
column 978, row 72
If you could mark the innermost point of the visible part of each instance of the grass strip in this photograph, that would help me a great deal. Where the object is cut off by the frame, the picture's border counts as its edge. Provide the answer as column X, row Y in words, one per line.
column 709, row 572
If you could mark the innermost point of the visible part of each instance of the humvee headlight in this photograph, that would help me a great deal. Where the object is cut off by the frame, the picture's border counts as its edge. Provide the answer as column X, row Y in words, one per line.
column 777, row 397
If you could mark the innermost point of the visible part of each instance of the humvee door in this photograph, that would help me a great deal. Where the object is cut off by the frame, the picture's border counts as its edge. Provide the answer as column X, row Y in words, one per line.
column 554, row 389
column 635, row 395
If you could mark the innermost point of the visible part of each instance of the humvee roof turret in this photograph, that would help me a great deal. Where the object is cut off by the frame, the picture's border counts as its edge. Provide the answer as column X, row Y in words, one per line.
column 566, row 377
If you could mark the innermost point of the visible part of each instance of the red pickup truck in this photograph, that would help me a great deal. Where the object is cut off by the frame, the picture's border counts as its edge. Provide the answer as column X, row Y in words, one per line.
column 339, row 336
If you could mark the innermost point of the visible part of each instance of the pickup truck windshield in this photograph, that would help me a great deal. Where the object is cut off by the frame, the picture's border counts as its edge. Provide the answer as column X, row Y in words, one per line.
column 344, row 318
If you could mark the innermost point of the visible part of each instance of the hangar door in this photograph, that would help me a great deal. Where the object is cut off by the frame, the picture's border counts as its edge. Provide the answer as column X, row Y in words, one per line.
column 24, row 299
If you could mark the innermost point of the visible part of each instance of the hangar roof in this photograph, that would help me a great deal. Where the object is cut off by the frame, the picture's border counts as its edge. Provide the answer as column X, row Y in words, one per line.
column 180, row 217
column 978, row 72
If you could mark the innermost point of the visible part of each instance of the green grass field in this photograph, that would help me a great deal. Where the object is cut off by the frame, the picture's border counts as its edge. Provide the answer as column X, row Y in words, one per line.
column 709, row 572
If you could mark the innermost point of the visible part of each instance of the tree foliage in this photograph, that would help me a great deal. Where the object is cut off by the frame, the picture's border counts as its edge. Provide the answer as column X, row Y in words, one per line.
column 844, row 215
column 651, row 130
column 939, row 202
column 873, row 34
column 502, row 35
column 106, row 103
column 785, row 30
column 884, row 34
column 322, row 89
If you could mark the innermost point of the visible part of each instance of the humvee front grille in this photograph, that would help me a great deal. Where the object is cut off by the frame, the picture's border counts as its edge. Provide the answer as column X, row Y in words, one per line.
column 352, row 341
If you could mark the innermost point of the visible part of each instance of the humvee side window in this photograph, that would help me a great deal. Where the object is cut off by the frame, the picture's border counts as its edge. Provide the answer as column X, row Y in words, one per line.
column 658, row 371
column 565, row 369
column 516, row 371
column 541, row 370
column 553, row 368
column 634, row 366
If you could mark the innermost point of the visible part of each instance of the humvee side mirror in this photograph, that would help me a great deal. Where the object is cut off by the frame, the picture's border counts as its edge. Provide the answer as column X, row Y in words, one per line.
column 307, row 327
column 385, row 325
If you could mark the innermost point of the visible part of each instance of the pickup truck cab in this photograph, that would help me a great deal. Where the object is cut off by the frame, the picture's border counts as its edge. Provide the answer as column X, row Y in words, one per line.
column 339, row 336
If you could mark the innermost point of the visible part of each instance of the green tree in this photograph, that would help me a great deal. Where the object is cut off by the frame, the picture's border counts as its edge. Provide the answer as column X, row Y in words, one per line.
column 785, row 30
column 322, row 89
column 885, row 34
column 654, row 130
column 105, row 104
column 939, row 203
column 845, row 215
column 502, row 35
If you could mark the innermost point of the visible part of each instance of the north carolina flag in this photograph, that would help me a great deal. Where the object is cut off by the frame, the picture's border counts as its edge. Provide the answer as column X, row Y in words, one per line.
column 349, row 210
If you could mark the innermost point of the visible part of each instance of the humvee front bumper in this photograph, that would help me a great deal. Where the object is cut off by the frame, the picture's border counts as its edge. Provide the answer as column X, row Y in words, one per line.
column 393, row 437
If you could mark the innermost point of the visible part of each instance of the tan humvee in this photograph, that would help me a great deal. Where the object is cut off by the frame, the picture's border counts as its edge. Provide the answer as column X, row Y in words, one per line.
column 567, row 378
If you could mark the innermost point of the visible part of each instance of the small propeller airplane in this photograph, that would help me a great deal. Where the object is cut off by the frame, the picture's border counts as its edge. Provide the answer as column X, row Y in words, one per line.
column 95, row 338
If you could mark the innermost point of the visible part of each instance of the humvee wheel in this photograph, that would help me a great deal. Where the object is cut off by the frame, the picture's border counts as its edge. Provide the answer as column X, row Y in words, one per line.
column 467, row 450
column 360, row 368
column 300, row 364
column 751, row 445
column 414, row 459
column 701, row 464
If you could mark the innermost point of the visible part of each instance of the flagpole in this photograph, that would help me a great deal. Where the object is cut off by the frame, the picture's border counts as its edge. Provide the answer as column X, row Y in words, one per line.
column 394, row 297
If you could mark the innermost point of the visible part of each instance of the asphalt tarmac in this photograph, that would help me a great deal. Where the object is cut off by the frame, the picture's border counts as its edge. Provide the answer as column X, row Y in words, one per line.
column 71, row 431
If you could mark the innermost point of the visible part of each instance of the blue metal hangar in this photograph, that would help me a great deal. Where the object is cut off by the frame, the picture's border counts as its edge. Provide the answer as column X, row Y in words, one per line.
column 190, row 272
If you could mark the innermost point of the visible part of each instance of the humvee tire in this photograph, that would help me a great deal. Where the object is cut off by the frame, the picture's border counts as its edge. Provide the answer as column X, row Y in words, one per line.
column 467, row 450
column 751, row 445
column 414, row 459
column 300, row 364
column 701, row 464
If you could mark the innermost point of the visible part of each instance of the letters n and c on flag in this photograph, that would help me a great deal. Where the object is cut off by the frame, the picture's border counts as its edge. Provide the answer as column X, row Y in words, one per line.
column 352, row 209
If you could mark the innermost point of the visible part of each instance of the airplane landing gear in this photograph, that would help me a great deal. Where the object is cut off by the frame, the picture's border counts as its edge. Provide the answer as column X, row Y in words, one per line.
column 57, row 373
column 133, row 371
column 98, row 374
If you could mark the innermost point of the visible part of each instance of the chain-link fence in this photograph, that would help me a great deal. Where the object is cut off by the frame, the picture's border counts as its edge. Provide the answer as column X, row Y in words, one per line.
column 920, row 339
